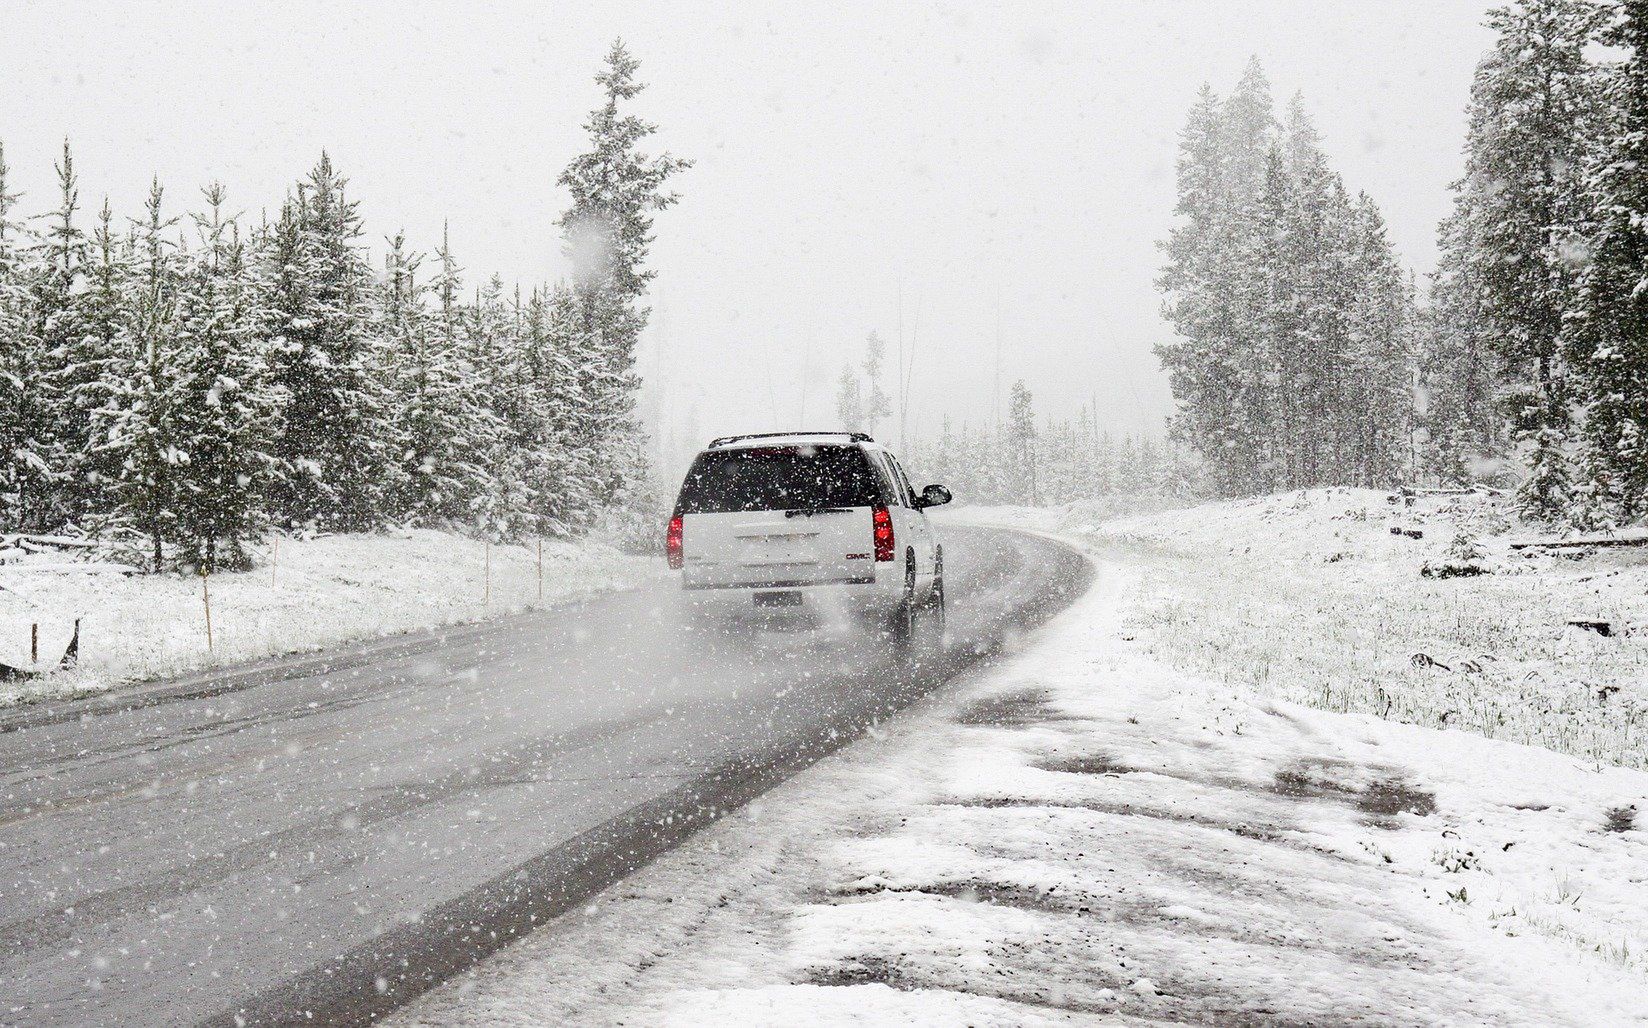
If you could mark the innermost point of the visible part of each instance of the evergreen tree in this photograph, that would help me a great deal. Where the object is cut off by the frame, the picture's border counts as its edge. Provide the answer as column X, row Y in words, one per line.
column 1375, row 398
column 849, row 402
column 1201, row 362
column 223, row 402
column 577, row 414
column 1292, row 317
column 137, row 428
column 559, row 482
column 444, row 432
column 494, row 350
column 111, row 324
column 330, row 439
column 26, row 478
column 1459, row 367
column 193, row 398
column 876, row 405
column 67, row 371
column 1325, row 246
column 616, row 189
column 1610, row 328
column 1021, row 442
column 1534, row 103
column 1277, row 346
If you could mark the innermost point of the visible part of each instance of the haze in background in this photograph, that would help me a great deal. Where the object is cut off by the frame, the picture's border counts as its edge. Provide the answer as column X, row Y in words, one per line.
column 1007, row 163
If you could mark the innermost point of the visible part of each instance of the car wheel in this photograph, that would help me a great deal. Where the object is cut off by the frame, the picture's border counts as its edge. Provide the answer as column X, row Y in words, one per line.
column 936, row 603
column 904, row 615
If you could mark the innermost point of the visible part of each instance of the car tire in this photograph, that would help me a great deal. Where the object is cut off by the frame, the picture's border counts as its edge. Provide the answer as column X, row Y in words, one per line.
column 903, row 624
column 935, row 602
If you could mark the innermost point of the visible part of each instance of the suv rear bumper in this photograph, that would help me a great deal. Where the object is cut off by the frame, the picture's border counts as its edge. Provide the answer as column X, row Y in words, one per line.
column 778, row 584
column 855, row 596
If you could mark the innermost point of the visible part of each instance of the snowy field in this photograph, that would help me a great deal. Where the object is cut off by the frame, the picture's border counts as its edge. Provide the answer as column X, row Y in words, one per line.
column 1311, row 597
column 1086, row 832
column 311, row 594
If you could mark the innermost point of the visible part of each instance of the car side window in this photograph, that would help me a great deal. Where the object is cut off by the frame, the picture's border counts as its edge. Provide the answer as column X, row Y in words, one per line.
column 899, row 491
column 889, row 481
column 904, row 483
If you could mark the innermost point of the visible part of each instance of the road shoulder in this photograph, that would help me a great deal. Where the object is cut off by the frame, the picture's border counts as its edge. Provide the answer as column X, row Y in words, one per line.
column 321, row 596
column 1079, row 832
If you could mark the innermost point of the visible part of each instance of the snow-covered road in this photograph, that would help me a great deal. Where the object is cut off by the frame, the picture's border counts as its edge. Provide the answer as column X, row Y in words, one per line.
column 333, row 834
column 1081, row 834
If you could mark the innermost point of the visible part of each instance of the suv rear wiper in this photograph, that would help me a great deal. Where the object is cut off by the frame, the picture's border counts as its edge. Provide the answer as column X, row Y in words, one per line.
column 807, row 512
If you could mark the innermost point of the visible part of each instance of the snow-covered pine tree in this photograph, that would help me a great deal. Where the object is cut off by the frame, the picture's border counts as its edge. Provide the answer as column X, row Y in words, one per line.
column 876, row 403
column 1276, row 374
column 1103, row 465
column 399, row 323
column 1459, row 369
column 108, row 319
column 331, row 439
column 616, row 189
column 1610, row 327
column 576, row 412
column 1247, row 277
column 1318, row 363
column 67, row 373
column 1021, row 443
column 849, row 401
column 1127, row 466
column 1376, row 401
column 1057, row 464
column 1277, row 285
column 494, row 351
column 556, row 484
column 1200, row 361
column 223, row 402
column 1218, row 280
column 444, row 434
column 26, row 478
column 136, row 429
column 1534, row 104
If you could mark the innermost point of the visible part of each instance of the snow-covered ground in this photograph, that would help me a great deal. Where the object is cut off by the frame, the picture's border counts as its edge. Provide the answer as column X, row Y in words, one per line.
column 307, row 595
column 1312, row 597
column 1084, row 832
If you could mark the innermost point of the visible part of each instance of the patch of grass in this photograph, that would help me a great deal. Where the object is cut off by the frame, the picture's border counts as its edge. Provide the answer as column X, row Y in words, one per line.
column 1564, row 894
column 1453, row 860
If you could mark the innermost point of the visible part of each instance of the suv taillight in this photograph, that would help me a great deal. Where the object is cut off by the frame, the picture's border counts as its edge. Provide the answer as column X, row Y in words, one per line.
column 881, row 530
column 672, row 543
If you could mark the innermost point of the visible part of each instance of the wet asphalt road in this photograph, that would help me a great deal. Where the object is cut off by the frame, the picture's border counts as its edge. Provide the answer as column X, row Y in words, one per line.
column 325, row 838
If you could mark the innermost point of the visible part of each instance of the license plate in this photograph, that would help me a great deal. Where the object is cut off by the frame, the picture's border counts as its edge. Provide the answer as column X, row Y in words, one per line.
column 785, row 599
column 774, row 551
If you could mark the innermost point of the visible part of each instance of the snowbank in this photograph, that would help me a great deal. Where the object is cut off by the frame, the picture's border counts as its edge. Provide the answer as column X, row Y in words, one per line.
column 1084, row 832
column 1322, row 597
column 307, row 595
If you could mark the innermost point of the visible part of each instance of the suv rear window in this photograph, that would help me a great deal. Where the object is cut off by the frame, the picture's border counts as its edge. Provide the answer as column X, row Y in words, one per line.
column 778, row 478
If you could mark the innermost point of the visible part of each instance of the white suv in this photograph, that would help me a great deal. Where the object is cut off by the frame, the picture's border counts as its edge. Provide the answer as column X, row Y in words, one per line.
column 823, row 520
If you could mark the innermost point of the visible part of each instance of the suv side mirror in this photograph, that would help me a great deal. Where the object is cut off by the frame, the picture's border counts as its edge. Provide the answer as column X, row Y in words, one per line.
column 933, row 496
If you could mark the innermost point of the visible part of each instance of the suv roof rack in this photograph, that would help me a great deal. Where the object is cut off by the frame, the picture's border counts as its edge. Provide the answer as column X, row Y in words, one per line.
column 857, row 437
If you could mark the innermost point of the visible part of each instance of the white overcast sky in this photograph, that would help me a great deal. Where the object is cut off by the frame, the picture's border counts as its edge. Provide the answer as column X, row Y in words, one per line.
column 846, row 153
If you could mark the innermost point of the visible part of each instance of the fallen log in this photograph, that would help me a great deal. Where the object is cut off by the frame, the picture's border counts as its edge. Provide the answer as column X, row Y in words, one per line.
column 55, row 541
column 1576, row 544
column 71, row 568
column 1407, row 494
